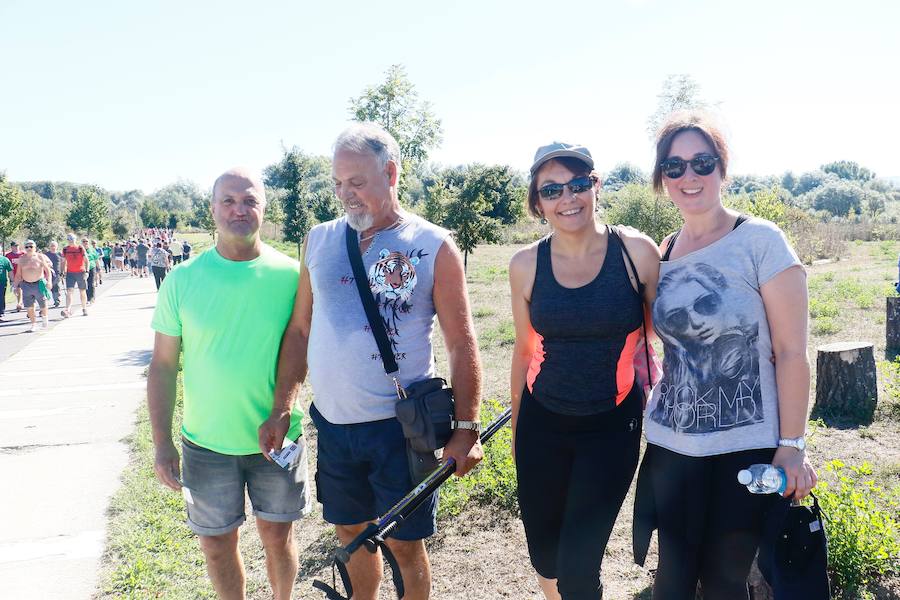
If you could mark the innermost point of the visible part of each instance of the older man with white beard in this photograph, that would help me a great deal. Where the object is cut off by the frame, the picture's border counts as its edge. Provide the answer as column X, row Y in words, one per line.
column 415, row 272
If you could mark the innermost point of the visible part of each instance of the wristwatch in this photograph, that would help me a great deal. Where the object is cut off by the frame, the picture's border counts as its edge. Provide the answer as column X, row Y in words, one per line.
column 472, row 425
column 798, row 443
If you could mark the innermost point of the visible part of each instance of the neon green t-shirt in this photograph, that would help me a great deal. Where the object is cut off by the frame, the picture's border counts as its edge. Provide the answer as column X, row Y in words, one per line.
column 230, row 317
column 92, row 258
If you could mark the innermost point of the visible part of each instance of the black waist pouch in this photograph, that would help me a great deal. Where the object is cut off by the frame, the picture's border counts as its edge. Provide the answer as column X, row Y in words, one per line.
column 426, row 415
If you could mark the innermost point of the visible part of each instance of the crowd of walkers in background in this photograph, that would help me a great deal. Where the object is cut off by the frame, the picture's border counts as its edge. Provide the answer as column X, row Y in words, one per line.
column 54, row 275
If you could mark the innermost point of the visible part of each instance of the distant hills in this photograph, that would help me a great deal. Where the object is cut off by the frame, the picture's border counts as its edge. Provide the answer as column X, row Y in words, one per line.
column 894, row 181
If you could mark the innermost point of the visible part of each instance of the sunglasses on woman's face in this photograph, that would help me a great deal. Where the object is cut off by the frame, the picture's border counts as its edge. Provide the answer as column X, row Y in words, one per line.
column 552, row 191
column 702, row 164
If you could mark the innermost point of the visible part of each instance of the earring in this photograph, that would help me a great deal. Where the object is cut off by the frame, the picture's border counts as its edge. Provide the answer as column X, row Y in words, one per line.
column 543, row 220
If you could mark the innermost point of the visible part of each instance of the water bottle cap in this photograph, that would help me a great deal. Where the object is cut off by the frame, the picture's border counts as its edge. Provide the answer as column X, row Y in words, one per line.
column 745, row 477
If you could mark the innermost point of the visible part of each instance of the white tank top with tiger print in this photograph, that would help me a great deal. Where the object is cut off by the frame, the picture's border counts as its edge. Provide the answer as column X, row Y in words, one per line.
column 345, row 369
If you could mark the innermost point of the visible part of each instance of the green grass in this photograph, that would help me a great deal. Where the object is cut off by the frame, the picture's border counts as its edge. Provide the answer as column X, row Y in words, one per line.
column 504, row 335
column 151, row 553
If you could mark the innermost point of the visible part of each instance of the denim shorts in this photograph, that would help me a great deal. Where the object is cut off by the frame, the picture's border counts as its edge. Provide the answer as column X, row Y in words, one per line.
column 216, row 483
column 76, row 279
column 362, row 471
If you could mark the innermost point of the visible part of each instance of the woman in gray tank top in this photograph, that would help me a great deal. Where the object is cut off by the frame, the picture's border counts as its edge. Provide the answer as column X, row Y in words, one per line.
column 731, row 295
column 576, row 409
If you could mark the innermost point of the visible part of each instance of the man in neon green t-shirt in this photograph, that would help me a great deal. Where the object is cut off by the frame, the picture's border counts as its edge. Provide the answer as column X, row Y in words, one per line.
column 226, row 310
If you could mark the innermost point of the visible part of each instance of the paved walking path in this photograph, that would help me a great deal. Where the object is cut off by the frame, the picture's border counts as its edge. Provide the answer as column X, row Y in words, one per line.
column 67, row 400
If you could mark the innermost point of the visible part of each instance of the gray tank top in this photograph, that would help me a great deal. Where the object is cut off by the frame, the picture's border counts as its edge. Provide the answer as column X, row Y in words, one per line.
column 345, row 369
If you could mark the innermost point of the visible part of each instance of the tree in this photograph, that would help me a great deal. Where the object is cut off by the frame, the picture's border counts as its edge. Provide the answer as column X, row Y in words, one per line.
column 437, row 197
column 465, row 216
column 89, row 212
column 274, row 208
column 789, row 182
column 177, row 197
column 12, row 210
column 679, row 92
column 847, row 169
column 201, row 216
column 152, row 215
column 874, row 202
column 43, row 219
column 839, row 197
column 623, row 174
column 395, row 105
column 636, row 205
column 124, row 223
column 303, row 179
column 502, row 188
column 809, row 181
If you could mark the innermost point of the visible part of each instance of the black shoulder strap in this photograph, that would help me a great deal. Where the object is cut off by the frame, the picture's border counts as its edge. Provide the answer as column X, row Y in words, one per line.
column 741, row 218
column 640, row 287
column 671, row 245
column 633, row 273
column 376, row 324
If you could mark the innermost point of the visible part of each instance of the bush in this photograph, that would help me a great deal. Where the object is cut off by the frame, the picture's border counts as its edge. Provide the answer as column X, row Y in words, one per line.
column 637, row 206
column 861, row 523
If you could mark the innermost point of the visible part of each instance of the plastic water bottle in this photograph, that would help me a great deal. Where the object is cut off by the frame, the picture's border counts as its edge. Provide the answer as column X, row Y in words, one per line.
column 763, row 479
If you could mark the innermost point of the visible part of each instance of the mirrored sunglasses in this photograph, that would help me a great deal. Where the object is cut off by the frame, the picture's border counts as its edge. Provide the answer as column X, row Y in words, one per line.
column 552, row 191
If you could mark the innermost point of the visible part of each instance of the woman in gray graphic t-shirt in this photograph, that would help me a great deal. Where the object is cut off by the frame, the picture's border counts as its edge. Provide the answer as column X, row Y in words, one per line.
column 731, row 296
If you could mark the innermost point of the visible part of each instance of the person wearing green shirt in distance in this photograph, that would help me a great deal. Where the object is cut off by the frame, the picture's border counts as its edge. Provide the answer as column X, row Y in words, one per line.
column 5, row 268
column 91, row 259
column 226, row 310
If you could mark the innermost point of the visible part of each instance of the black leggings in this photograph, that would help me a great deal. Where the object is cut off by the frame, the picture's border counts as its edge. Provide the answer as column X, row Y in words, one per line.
column 573, row 474
column 709, row 524
column 159, row 273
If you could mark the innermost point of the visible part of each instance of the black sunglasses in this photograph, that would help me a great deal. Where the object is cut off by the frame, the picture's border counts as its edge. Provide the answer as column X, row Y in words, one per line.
column 552, row 191
column 29, row 246
column 702, row 164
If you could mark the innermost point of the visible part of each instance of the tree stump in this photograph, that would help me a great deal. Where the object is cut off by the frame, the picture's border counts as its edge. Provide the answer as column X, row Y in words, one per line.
column 892, row 325
column 845, row 381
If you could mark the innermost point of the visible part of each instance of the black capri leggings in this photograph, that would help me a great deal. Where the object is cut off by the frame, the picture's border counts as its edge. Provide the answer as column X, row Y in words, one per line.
column 159, row 273
column 573, row 474
column 709, row 524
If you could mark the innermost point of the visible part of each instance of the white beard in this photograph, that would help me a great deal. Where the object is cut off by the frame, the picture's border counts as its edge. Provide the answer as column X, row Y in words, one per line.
column 360, row 222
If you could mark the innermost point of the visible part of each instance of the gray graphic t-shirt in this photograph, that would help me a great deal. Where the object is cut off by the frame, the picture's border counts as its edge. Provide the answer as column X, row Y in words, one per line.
column 718, row 393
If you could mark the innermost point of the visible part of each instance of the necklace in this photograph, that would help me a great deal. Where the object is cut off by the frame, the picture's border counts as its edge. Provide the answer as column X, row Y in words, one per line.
column 389, row 227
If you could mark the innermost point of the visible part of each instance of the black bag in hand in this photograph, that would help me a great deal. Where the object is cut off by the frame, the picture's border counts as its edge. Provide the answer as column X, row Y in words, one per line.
column 793, row 553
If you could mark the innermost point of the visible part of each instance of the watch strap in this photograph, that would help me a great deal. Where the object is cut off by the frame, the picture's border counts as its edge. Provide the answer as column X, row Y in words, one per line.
column 798, row 443
column 472, row 425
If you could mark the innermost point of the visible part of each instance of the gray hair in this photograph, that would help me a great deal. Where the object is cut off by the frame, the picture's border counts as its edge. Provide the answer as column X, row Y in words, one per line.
column 371, row 138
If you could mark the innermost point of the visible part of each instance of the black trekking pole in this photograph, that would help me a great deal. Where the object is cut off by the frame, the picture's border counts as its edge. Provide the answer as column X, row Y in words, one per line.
column 372, row 537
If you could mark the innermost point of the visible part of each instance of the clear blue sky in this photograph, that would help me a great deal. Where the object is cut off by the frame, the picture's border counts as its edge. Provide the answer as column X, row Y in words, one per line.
column 137, row 94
